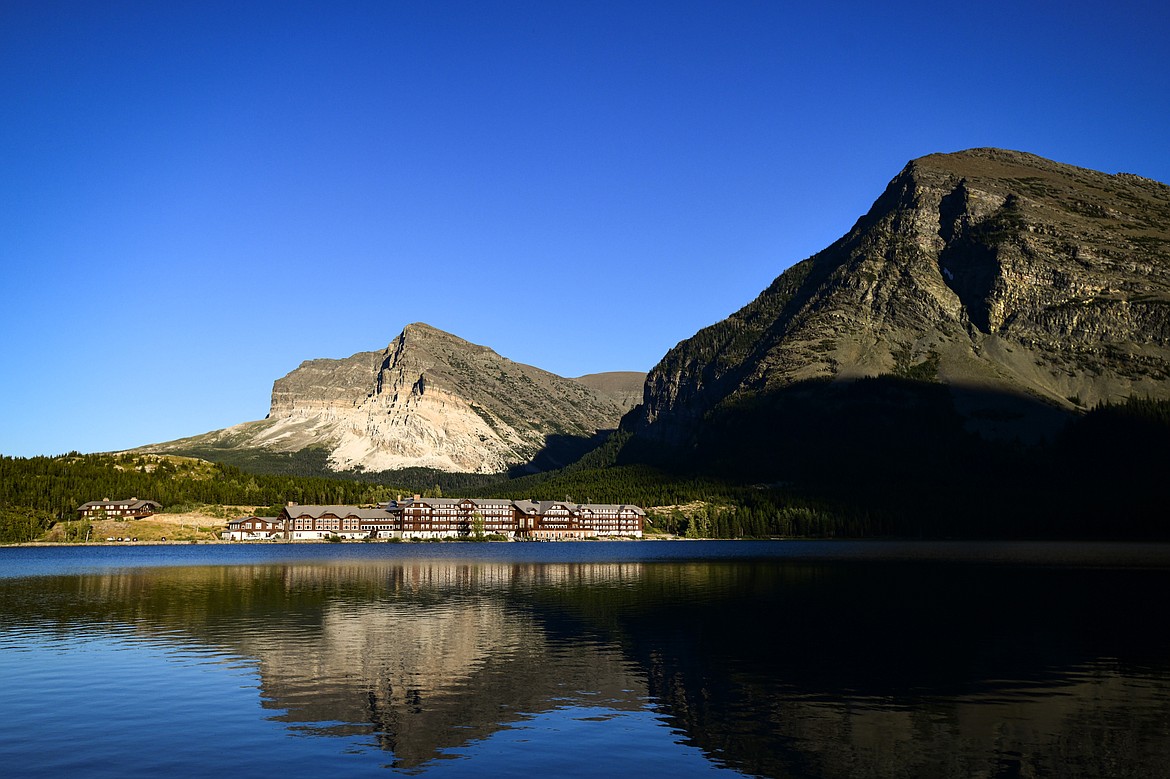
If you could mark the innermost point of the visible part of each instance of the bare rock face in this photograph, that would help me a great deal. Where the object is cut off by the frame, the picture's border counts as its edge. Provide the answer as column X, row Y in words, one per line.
column 625, row 387
column 997, row 273
column 429, row 399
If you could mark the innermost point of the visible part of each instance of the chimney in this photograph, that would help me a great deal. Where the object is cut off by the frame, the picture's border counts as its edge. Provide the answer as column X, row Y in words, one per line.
column 417, row 496
column 290, row 503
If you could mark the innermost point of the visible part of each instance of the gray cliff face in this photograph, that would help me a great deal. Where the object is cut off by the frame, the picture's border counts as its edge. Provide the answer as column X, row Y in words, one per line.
column 319, row 385
column 625, row 387
column 429, row 399
column 986, row 270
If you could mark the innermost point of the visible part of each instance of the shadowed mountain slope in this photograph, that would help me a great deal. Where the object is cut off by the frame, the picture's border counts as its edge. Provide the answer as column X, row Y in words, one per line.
column 1029, row 288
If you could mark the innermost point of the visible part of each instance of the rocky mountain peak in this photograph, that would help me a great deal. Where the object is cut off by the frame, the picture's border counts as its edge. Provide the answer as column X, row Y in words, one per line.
column 988, row 269
column 429, row 399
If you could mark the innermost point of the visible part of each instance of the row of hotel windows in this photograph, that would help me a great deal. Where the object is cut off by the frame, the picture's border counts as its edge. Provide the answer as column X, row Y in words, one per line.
column 329, row 523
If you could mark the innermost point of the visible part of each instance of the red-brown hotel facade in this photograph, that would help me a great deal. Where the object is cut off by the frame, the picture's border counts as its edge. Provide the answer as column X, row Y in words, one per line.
column 430, row 518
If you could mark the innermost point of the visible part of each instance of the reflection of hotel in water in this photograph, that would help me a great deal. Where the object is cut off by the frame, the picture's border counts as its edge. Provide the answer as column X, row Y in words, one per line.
column 427, row 518
column 426, row 656
column 422, row 576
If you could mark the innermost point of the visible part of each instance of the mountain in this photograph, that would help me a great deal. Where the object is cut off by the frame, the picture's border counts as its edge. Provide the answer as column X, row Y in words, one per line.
column 623, row 386
column 429, row 399
column 1008, row 292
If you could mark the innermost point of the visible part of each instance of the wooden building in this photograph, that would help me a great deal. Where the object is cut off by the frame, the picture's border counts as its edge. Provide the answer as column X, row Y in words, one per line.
column 546, row 520
column 436, row 518
column 455, row 517
column 318, row 522
column 132, row 508
column 254, row 529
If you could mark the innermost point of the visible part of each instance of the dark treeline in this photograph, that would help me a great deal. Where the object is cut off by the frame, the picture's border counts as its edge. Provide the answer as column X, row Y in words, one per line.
column 38, row 491
column 309, row 463
column 1109, row 468
column 51, row 488
column 700, row 507
column 891, row 456
column 882, row 457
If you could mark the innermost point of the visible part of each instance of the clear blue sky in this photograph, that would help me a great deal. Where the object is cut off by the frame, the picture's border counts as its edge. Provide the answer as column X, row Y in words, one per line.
column 197, row 196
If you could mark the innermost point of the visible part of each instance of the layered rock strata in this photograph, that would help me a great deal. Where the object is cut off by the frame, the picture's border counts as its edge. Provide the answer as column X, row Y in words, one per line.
column 998, row 273
column 429, row 399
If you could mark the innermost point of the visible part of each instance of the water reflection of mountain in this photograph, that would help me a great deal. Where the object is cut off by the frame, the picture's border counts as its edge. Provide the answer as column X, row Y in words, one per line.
column 423, row 657
column 920, row 670
column 776, row 669
column 433, row 657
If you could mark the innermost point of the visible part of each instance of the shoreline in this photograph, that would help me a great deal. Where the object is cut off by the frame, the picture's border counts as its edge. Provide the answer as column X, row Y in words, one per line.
column 222, row 542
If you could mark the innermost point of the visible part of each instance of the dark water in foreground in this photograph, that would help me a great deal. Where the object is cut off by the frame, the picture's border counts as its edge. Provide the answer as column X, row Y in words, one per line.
column 778, row 659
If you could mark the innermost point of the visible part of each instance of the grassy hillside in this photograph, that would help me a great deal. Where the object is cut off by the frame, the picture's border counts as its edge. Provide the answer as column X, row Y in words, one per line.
column 36, row 492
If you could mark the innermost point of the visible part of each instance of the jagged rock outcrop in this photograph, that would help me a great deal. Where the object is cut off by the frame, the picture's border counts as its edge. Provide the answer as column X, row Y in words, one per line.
column 429, row 399
column 1000, row 274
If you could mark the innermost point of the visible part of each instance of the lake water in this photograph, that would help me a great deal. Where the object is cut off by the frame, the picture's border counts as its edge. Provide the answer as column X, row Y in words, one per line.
column 776, row 659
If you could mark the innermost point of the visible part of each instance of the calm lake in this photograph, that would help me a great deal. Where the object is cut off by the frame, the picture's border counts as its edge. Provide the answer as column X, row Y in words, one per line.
column 775, row 659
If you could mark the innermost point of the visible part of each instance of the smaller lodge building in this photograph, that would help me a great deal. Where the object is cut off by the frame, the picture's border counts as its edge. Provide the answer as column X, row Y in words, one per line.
column 438, row 518
column 254, row 529
column 132, row 508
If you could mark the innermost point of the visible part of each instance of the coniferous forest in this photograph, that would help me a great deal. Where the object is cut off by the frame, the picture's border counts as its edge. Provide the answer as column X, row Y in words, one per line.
column 36, row 491
column 1102, row 477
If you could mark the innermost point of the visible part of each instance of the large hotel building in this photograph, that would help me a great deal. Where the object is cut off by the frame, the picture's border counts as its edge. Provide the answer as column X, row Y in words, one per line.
column 426, row 518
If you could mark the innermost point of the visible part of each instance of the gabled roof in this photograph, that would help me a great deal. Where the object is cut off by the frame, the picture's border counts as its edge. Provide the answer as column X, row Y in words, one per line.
column 545, row 505
column 613, row 507
column 132, row 503
column 448, row 502
column 242, row 520
column 316, row 512
column 540, row 507
column 429, row 502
